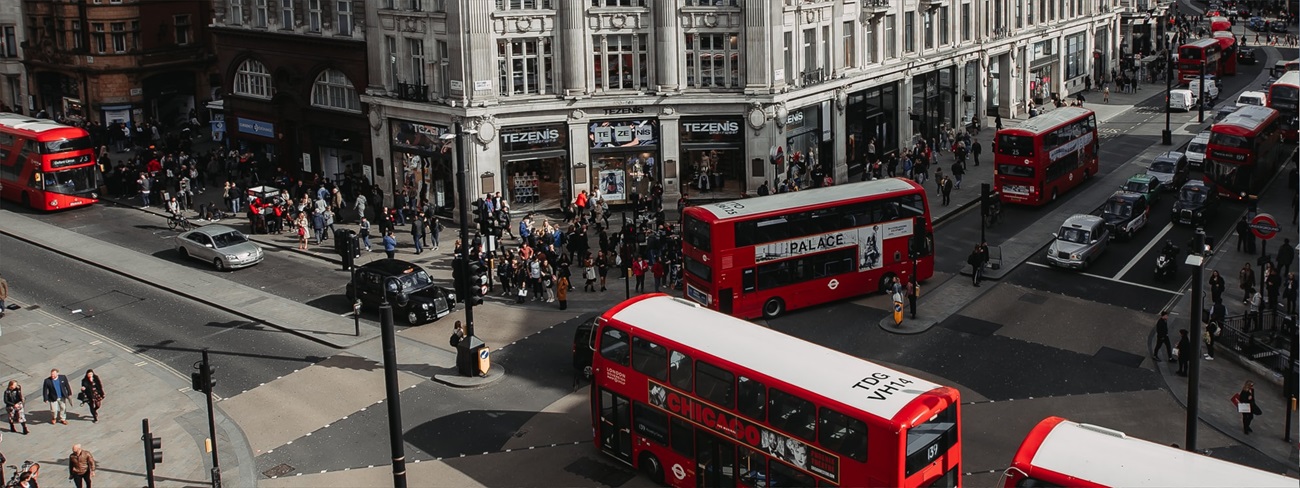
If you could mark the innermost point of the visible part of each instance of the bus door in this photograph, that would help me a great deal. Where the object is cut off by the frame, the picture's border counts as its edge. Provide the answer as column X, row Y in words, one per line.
column 715, row 460
column 616, row 425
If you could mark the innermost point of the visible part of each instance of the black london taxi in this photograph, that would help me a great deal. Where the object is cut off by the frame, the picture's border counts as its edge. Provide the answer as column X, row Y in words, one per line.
column 1125, row 212
column 414, row 296
column 1195, row 203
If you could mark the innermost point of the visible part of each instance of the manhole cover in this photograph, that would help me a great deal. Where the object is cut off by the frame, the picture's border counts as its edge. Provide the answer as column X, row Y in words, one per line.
column 1034, row 299
column 277, row 471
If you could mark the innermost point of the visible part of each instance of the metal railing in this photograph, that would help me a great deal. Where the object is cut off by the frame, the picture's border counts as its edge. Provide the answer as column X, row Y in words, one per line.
column 1268, row 342
column 413, row 92
column 812, row 77
column 875, row 4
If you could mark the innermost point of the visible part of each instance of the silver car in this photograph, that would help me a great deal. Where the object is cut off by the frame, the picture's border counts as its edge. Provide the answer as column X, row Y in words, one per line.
column 1081, row 240
column 224, row 247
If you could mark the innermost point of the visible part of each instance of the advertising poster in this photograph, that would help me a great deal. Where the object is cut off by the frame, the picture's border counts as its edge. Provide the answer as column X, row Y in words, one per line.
column 613, row 184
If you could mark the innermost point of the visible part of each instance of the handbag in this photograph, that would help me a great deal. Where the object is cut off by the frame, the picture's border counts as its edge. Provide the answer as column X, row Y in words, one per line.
column 1176, row 353
column 547, row 283
column 1243, row 408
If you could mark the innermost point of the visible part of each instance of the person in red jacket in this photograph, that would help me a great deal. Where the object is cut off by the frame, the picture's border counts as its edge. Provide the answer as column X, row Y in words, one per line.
column 638, row 270
column 658, row 270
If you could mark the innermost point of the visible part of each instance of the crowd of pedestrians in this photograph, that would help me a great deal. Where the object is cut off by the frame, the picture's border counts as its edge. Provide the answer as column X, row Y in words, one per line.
column 57, row 394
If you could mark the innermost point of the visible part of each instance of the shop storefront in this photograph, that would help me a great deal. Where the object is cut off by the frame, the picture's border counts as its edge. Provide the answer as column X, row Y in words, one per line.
column 933, row 102
column 869, row 116
column 624, row 158
column 339, row 153
column 535, row 160
column 1041, row 73
column 713, row 156
column 423, row 163
column 808, row 145
column 255, row 137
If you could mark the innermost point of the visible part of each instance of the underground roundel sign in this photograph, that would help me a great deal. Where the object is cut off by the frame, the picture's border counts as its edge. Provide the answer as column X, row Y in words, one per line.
column 1264, row 226
column 833, row 284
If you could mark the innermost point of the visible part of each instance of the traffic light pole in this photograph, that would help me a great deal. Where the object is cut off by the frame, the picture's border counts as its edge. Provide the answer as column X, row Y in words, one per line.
column 395, row 443
column 212, row 421
column 148, row 453
column 464, row 224
column 1167, row 136
column 1200, row 117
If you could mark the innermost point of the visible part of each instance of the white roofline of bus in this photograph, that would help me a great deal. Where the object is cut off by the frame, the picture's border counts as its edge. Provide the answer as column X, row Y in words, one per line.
column 29, row 123
column 1111, row 458
column 788, row 201
column 1051, row 120
column 1292, row 77
column 1248, row 117
column 822, row 371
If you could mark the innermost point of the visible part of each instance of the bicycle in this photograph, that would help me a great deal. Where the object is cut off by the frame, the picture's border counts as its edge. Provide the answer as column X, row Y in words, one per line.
column 16, row 478
column 178, row 220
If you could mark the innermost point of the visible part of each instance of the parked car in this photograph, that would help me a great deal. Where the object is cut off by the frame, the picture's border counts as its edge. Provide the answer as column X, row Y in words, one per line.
column 224, row 247
column 1080, row 241
column 1143, row 184
column 1170, row 167
column 1125, row 212
column 1247, row 55
column 1195, row 203
column 1196, row 149
column 413, row 294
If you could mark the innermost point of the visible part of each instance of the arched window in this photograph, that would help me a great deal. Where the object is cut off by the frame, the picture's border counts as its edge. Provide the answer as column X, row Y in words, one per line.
column 253, row 80
column 333, row 90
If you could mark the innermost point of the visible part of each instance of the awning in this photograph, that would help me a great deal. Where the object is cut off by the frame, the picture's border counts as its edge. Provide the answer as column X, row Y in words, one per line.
column 216, row 105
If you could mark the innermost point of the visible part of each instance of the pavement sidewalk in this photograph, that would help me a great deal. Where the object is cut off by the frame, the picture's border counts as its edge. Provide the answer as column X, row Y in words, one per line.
column 136, row 387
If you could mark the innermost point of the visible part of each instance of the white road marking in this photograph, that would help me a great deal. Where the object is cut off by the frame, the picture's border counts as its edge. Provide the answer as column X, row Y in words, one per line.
column 1107, row 278
column 1143, row 252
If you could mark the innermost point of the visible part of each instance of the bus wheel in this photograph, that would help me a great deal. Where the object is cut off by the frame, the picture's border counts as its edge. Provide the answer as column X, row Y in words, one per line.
column 773, row 308
column 651, row 467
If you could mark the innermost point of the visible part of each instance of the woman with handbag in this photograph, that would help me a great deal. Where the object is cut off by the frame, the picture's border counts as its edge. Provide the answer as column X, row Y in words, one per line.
column 92, row 393
column 1247, row 407
column 14, row 406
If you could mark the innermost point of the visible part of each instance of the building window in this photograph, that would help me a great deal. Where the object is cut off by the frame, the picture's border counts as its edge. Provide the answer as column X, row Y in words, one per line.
column 713, row 60
column 909, row 32
column 712, row 3
column 182, row 23
column 849, row 48
column 135, row 35
column 390, row 43
column 286, row 14
column 809, row 53
column 75, row 27
column 236, row 12
column 253, row 80
column 524, row 66
column 9, row 41
column 999, row 19
column 891, row 36
column 944, row 31
column 1029, row 12
column 621, row 62
column 789, row 58
column 345, row 17
column 119, row 37
column 101, row 42
column 313, row 15
column 869, row 49
column 618, row 3
column 928, row 19
column 965, row 22
column 523, row 4
column 443, row 66
column 334, row 90
column 1074, row 59
column 415, row 49
column 259, row 14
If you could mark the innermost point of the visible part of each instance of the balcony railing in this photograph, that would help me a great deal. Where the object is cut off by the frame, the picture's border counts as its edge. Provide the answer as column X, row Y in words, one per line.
column 812, row 77
column 413, row 92
column 875, row 9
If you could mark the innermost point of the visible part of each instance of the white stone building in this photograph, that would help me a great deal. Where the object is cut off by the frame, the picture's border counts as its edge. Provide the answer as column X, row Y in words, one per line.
column 572, row 95
column 13, row 76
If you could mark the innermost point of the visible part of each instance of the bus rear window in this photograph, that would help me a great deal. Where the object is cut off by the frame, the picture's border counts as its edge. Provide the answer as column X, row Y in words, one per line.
column 1189, row 53
column 65, row 145
column 939, row 432
column 1022, row 146
column 700, row 270
column 1016, row 170
column 696, row 233
column 1282, row 92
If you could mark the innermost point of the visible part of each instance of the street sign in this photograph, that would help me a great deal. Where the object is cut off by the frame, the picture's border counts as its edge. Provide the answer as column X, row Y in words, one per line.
column 1264, row 226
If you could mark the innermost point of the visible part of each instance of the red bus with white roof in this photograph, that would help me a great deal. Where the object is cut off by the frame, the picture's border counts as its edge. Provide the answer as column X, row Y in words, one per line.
column 1047, row 155
column 1227, row 46
column 693, row 397
column 46, row 165
column 1058, row 452
column 767, row 255
column 1244, row 151
column 1201, row 51
column 1284, row 96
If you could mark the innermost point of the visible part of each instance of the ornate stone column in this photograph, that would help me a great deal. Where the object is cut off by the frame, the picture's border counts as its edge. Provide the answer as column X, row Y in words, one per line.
column 667, row 42
column 573, row 41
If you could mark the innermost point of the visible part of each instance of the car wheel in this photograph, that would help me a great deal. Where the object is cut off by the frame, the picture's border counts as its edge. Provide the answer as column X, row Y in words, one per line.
column 773, row 308
column 185, row 253
column 220, row 265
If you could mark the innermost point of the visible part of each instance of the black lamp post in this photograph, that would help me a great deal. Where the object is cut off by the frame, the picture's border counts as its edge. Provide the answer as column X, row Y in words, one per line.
column 390, row 381
column 1200, row 117
column 1167, row 136
column 1197, row 261
column 459, row 135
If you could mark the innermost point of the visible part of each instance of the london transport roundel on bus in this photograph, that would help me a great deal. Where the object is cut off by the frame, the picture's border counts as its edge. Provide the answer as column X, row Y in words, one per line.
column 833, row 284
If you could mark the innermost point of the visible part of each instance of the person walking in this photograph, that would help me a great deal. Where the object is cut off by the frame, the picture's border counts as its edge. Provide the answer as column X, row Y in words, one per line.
column 945, row 190
column 589, row 274
column 975, row 150
column 435, row 228
column 602, row 267
column 56, row 392
column 638, row 270
column 4, row 295
column 1183, row 351
column 1245, row 401
column 1245, row 240
column 1254, row 306
column 913, row 294
column 1217, row 285
column 81, row 467
column 1105, row 94
column 390, row 244
column 417, row 233
column 364, row 233
column 92, row 393
column 1162, row 337
column 958, row 170
column 15, row 407
column 1211, row 331
column 1285, row 256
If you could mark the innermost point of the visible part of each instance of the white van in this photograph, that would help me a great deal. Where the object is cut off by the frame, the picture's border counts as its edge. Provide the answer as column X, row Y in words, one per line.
column 1252, row 98
column 1196, row 149
column 1211, row 89
column 1183, row 100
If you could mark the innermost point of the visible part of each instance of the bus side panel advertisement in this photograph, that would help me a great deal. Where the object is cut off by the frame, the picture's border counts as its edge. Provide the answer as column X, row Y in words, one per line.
column 868, row 239
column 775, row 444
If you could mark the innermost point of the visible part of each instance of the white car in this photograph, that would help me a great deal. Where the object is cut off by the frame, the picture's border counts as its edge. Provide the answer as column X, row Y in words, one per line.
column 1196, row 149
column 224, row 247
column 1252, row 98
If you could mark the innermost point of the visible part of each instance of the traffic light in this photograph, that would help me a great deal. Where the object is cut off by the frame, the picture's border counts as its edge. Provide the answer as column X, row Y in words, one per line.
column 155, row 451
column 458, row 277
column 204, row 379
column 478, row 281
column 986, row 198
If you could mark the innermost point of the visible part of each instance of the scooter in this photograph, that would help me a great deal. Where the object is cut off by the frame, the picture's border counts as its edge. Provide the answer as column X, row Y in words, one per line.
column 1165, row 265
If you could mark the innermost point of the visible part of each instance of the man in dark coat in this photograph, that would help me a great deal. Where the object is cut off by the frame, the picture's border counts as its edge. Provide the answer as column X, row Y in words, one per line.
column 1162, row 337
column 57, row 392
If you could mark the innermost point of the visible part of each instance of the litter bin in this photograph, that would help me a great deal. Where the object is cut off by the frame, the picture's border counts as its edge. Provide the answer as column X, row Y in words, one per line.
column 472, row 357
column 346, row 246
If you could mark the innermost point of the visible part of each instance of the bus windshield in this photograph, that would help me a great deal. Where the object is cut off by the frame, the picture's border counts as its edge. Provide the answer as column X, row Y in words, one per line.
column 1283, row 92
column 938, row 431
column 1016, row 170
column 1015, row 145
column 65, row 145
column 73, row 181
column 1232, row 141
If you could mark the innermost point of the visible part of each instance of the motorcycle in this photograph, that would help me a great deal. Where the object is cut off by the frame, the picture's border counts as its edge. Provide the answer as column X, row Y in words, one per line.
column 1165, row 265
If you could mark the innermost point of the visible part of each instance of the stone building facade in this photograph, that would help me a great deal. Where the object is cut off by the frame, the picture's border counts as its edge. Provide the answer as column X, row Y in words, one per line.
column 13, row 76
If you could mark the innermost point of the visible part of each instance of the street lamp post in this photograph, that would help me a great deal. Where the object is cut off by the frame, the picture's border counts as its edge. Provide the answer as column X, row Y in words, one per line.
column 1167, row 136
column 395, row 443
column 1200, row 105
column 459, row 135
column 1197, row 261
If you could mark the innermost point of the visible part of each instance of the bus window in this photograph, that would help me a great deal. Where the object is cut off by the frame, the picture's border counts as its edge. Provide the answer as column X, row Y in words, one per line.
column 613, row 346
column 650, row 423
column 783, row 475
column 941, row 430
column 715, row 385
column 1015, row 145
column 752, row 398
column 843, row 434
column 649, row 358
column 683, row 437
column 792, row 414
column 753, row 468
column 696, row 233
column 680, row 371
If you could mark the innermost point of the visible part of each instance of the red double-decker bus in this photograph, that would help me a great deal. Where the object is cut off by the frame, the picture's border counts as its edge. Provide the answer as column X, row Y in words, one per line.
column 1284, row 96
column 1045, row 156
column 1243, row 152
column 767, row 255
column 46, row 165
column 1058, row 452
column 1193, row 54
column 692, row 397
column 1228, row 48
column 1218, row 23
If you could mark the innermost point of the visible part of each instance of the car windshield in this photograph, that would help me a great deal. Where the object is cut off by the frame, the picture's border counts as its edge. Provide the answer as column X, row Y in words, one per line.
column 1196, row 147
column 1071, row 234
column 228, row 239
column 1162, row 167
column 1193, row 195
column 1120, row 208
column 417, row 280
column 1136, row 187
